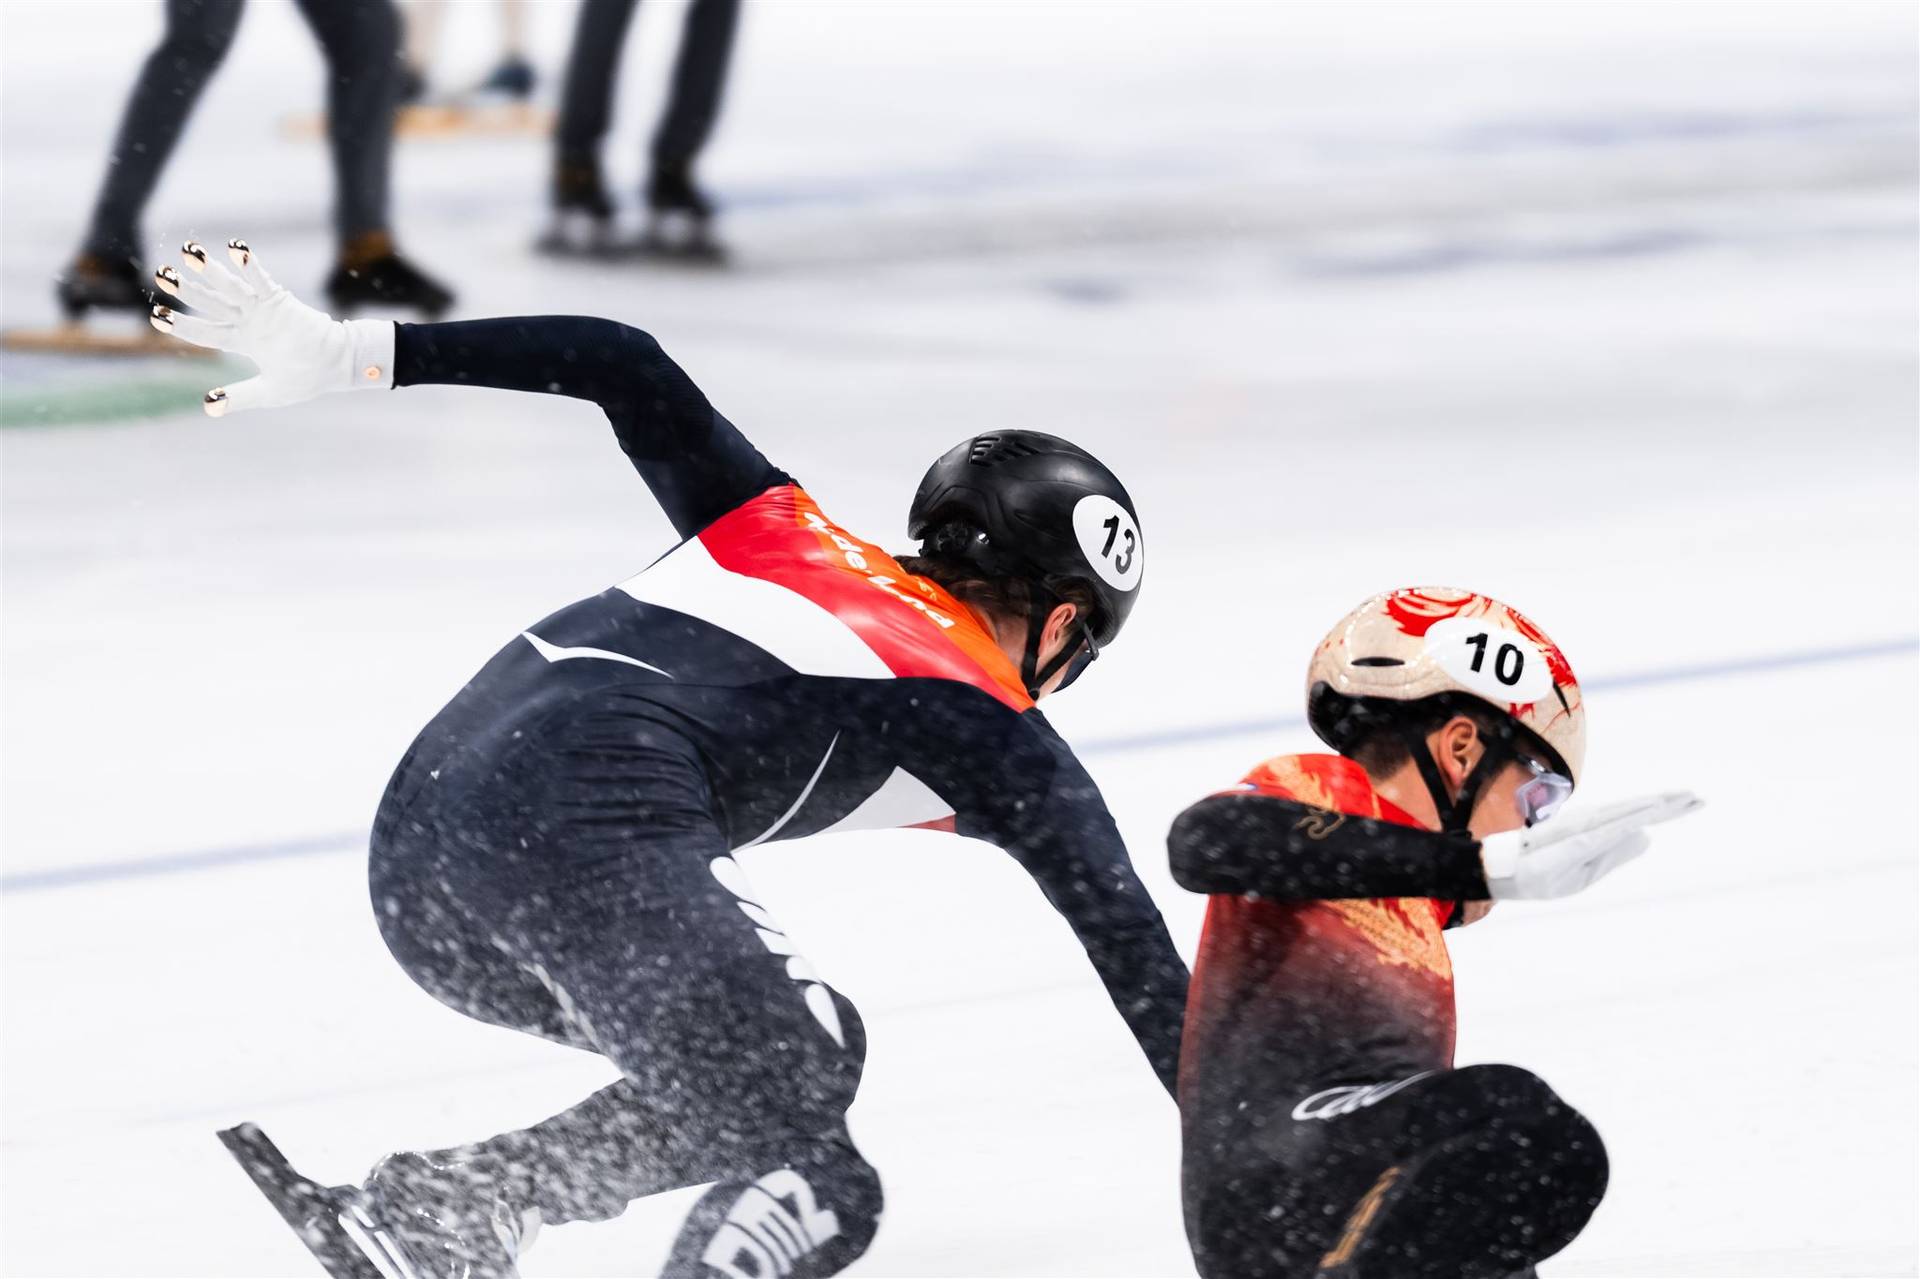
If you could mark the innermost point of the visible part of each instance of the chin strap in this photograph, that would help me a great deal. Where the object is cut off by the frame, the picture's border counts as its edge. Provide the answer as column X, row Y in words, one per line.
column 1032, row 674
column 1457, row 810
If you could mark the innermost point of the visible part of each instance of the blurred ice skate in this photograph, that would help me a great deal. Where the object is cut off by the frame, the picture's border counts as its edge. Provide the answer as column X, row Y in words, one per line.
column 680, row 219
column 104, row 304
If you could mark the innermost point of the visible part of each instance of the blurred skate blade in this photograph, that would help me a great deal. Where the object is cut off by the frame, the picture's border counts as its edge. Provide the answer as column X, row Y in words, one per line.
column 444, row 120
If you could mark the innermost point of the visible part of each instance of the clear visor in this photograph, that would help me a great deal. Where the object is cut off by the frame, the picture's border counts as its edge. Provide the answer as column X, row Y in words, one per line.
column 1542, row 794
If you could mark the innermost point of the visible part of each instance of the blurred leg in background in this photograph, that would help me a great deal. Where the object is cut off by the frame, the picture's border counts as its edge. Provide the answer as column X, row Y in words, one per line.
column 108, row 273
column 512, row 76
column 361, row 41
column 586, row 105
column 423, row 37
column 693, row 105
column 699, row 75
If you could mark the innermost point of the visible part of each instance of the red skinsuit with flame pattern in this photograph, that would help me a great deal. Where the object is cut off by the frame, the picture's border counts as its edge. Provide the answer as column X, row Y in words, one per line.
column 1288, row 997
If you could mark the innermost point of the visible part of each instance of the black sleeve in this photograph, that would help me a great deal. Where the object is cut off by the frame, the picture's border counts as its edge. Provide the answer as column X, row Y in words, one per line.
column 1068, row 842
column 1247, row 843
column 697, row 464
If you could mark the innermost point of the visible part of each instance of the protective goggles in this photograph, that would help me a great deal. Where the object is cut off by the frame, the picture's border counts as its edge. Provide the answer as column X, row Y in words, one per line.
column 1542, row 794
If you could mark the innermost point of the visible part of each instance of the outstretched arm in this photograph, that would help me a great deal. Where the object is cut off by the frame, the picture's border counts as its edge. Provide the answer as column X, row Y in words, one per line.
column 1092, row 884
column 1069, row 844
column 697, row 464
column 1279, row 848
column 1288, row 851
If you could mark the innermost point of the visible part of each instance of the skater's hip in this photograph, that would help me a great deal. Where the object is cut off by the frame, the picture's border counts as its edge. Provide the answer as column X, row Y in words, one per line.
column 566, row 782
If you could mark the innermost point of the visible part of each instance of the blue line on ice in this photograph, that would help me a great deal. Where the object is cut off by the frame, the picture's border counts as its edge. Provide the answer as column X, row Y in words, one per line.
column 244, row 854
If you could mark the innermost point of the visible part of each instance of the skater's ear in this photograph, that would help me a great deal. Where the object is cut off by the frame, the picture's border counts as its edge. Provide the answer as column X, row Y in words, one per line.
column 1059, row 631
column 1457, row 746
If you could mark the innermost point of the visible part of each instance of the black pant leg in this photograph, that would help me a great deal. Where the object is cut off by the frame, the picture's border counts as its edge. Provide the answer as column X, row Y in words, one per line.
column 806, row 1209
column 594, row 901
column 728, row 1043
column 198, row 35
column 419, row 887
column 699, row 77
column 1497, row 1172
column 586, row 95
column 1476, row 1173
column 361, row 41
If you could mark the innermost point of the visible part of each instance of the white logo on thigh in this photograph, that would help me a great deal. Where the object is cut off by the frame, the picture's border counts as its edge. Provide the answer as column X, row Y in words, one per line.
column 814, row 992
column 771, row 1226
column 1331, row 1103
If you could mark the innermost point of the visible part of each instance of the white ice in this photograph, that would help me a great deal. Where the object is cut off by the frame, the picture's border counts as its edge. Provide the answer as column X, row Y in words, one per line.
column 1607, row 309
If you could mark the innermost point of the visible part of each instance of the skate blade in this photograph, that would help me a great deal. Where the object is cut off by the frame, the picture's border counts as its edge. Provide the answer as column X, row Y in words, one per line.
column 679, row 238
column 445, row 119
column 313, row 1211
column 574, row 234
column 690, row 255
column 473, row 117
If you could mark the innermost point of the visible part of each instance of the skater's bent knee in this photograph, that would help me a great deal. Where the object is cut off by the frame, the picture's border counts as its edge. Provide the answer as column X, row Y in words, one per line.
column 1511, row 1089
column 1555, row 1139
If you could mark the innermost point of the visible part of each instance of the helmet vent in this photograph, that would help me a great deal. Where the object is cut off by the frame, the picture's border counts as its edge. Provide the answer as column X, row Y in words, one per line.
column 1377, row 661
column 991, row 450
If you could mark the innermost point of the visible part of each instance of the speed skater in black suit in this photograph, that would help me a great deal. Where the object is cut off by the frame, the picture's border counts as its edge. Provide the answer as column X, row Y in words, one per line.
column 555, row 852
column 1326, row 1130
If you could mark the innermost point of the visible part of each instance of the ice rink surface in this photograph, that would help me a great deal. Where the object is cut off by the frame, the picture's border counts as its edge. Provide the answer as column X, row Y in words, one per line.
column 1608, row 310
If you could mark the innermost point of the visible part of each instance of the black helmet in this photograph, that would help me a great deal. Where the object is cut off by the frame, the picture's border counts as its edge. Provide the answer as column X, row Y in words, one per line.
column 1028, row 505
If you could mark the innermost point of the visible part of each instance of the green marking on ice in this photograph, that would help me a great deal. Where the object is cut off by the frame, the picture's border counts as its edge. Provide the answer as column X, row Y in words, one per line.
column 91, row 395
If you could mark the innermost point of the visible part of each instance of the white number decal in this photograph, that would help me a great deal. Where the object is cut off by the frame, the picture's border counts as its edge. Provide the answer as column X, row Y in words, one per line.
column 1109, row 539
column 1499, row 664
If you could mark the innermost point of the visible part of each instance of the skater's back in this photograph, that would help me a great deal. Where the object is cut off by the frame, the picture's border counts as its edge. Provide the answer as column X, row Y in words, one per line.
column 555, row 852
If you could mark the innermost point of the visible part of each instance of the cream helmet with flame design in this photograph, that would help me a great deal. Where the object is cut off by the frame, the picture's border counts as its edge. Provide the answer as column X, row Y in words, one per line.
column 1439, row 649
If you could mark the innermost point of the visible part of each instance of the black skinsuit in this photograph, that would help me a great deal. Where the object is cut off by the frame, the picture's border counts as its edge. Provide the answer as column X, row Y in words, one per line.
column 553, row 854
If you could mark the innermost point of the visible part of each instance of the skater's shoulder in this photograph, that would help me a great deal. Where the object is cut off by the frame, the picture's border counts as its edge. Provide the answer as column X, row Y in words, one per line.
column 913, row 625
column 1320, row 780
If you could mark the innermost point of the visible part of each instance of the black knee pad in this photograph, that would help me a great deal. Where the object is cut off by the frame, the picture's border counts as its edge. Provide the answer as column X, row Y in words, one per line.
column 1515, row 1181
column 809, row 1211
column 1502, row 1088
column 1507, row 1197
column 1548, row 1132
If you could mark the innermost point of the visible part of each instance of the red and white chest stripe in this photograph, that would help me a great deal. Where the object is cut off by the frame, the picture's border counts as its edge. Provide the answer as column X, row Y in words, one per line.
column 778, row 576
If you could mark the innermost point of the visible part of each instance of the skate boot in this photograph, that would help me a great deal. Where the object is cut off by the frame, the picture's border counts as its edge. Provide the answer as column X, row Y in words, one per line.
column 512, row 78
column 679, row 217
column 94, row 282
column 436, row 1216
column 582, row 211
column 372, row 273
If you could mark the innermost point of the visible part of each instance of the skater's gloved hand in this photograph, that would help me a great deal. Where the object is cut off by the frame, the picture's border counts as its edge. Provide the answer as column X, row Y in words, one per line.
column 1560, row 857
column 301, row 352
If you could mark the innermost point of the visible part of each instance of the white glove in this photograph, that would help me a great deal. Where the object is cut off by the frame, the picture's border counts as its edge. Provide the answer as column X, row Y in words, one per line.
column 301, row 352
column 1560, row 857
